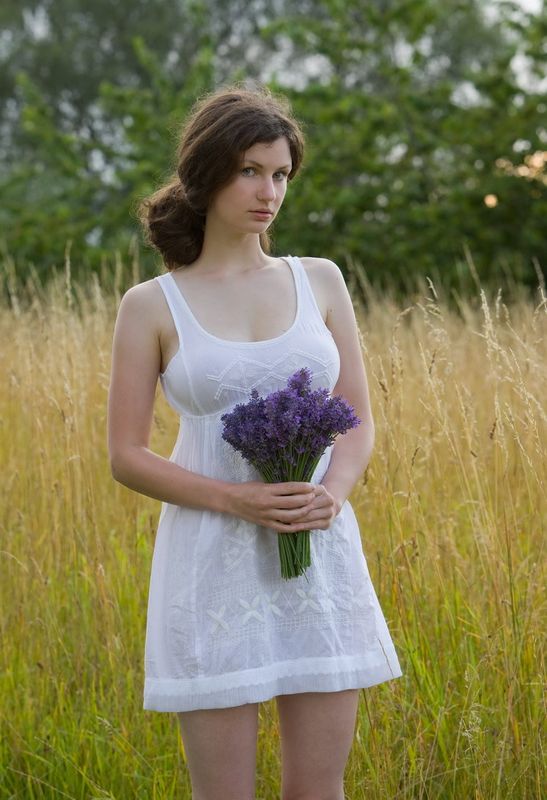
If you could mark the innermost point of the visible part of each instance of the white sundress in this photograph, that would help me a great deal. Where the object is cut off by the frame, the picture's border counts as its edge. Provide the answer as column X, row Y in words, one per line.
column 223, row 627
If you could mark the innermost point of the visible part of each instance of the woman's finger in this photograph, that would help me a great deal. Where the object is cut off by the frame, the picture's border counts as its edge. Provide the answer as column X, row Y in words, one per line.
column 287, row 515
column 321, row 517
column 292, row 487
column 294, row 500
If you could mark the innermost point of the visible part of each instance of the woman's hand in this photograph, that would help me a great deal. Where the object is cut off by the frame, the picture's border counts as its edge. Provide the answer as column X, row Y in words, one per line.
column 285, row 507
column 322, row 511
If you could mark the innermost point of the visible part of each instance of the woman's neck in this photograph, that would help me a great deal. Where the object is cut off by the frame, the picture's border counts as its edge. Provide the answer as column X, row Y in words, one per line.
column 230, row 253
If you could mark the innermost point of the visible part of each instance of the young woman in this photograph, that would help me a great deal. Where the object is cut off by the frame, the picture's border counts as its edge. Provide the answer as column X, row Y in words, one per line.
column 224, row 630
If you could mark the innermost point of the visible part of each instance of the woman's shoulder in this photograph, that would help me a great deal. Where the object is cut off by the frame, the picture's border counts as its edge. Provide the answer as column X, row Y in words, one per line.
column 320, row 266
column 311, row 260
column 323, row 273
column 143, row 294
column 145, row 302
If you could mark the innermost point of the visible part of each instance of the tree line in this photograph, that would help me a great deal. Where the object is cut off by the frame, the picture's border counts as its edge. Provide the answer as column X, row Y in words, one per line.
column 425, row 147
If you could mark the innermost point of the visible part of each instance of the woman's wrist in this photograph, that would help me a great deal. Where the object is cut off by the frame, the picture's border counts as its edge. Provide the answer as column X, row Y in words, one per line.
column 337, row 496
column 223, row 497
column 338, row 505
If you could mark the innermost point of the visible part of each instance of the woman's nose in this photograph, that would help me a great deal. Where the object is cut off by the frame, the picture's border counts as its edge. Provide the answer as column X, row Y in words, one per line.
column 267, row 189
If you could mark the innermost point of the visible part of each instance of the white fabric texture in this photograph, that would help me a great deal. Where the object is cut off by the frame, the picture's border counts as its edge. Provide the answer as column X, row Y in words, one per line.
column 223, row 627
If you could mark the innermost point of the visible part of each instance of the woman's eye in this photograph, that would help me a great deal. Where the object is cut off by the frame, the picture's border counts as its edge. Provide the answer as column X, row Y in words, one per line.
column 280, row 175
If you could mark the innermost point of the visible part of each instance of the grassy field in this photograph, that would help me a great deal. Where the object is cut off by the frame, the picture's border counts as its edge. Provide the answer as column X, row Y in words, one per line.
column 451, row 511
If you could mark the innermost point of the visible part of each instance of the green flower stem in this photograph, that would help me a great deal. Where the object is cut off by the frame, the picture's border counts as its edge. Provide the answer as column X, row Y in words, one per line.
column 294, row 548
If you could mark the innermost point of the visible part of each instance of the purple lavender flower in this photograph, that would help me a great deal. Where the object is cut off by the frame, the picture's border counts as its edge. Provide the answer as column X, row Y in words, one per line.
column 284, row 435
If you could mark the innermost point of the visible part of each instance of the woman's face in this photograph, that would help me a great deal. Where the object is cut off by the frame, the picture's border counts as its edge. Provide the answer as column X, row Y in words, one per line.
column 260, row 184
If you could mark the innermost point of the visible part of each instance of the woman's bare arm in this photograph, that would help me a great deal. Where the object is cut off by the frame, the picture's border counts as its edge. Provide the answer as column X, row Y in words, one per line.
column 136, row 362
column 352, row 451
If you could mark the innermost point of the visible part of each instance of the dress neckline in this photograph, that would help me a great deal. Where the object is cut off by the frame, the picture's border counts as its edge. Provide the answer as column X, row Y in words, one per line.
column 245, row 343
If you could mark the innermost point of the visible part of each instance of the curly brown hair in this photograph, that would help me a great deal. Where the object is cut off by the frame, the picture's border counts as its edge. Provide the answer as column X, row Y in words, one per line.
column 221, row 126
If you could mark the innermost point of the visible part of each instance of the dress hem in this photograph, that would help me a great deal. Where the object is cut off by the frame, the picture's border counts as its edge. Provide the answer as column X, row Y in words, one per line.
column 170, row 694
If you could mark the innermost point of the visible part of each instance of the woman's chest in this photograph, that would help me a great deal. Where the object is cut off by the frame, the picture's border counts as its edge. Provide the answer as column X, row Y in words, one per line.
column 245, row 312
column 206, row 378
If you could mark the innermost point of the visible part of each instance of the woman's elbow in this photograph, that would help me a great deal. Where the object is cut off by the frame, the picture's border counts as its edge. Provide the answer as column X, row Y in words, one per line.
column 118, row 467
column 115, row 470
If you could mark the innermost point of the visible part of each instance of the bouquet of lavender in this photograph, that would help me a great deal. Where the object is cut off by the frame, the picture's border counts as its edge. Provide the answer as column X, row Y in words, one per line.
column 283, row 435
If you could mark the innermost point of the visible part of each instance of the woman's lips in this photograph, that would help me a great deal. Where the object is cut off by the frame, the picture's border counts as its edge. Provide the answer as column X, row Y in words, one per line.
column 262, row 214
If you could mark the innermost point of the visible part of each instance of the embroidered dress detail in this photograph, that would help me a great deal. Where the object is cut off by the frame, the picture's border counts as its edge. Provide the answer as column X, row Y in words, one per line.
column 223, row 628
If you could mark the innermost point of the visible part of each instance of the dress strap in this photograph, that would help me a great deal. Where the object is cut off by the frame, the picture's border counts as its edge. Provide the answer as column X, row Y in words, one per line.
column 309, row 304
column 173, row 297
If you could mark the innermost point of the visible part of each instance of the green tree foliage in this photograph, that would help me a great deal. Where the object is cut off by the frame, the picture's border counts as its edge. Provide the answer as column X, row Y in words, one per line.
column 69, row 47
column 407, row 133
column 422, row 143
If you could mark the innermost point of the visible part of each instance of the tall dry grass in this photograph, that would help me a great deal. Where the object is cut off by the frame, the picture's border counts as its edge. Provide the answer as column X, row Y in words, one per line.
column 452, row 516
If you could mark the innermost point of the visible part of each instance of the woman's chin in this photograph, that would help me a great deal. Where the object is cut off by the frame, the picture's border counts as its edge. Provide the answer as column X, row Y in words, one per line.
column 262, row 223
